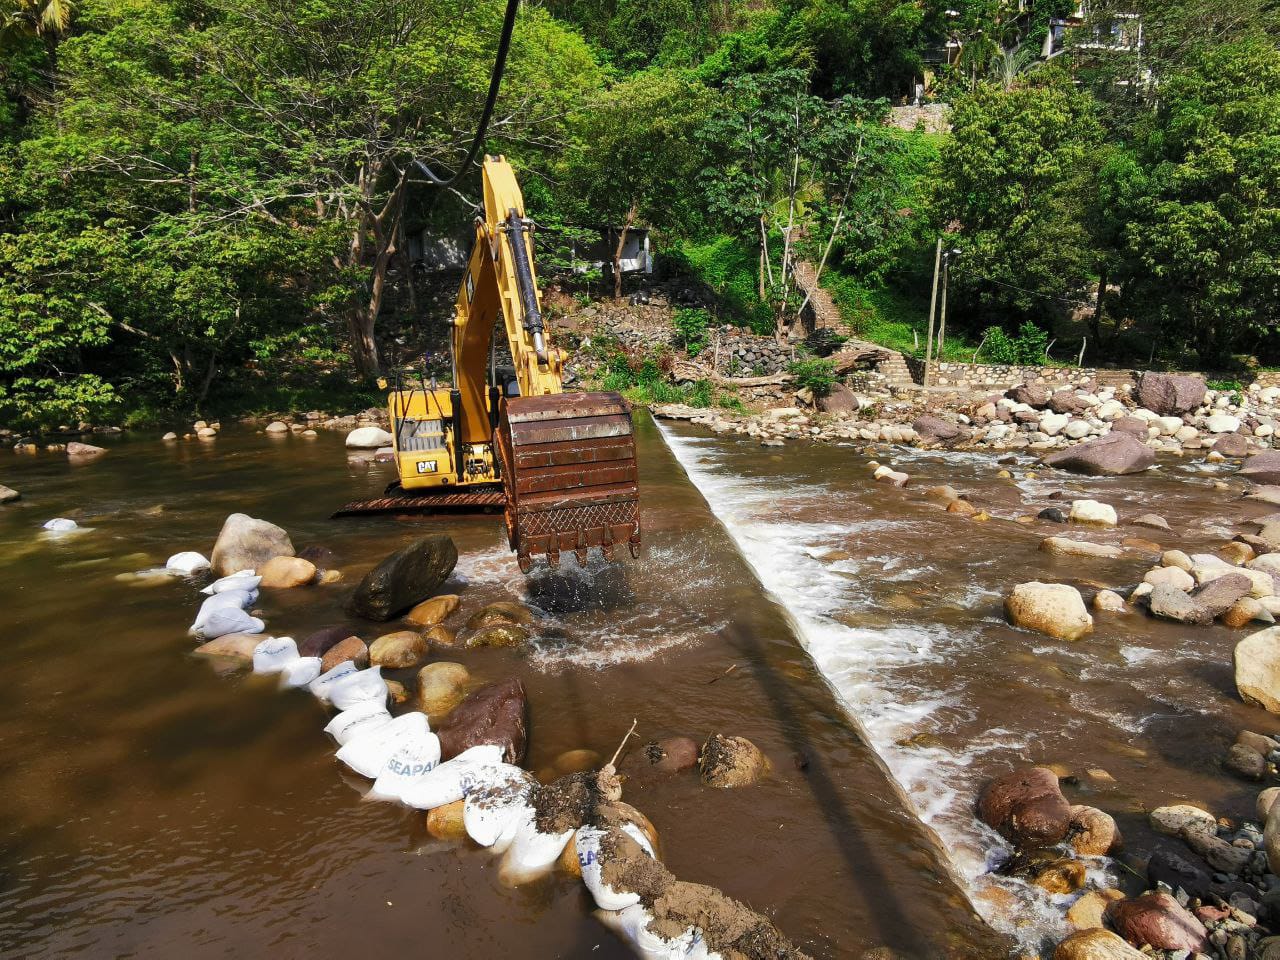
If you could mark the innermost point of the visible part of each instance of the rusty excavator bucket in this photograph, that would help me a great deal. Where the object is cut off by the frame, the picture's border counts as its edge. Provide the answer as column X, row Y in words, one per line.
column 568, row 465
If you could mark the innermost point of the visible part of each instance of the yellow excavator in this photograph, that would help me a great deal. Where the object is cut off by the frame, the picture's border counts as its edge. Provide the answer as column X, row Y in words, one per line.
column 561, row 465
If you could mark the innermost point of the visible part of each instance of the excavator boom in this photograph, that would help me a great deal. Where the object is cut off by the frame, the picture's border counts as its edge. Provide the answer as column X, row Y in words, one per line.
column 565, row 461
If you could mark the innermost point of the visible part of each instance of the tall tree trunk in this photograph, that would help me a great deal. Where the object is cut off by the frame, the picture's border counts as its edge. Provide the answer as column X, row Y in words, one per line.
column 1099, row 307
column 617, row 251
column 381, row 228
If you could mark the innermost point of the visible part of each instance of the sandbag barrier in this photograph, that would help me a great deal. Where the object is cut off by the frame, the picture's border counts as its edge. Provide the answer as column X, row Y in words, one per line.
column 578, row 822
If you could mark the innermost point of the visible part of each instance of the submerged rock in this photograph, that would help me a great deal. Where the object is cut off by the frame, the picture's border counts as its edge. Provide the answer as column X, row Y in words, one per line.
column 283, row 573
column 1056, row 609
column 495, row 714
column 436, row 610
column 728, row 762
column 399, row 650
column 1066, row 547
column 317, row 643
column 1246, row 762
column 1026, row 807
column 500, row 612
column 662, row 757
column 1178, row 869
column 1157, row 920
column 499, row 635
column 404, row 579
column 1112, row 455
column 247, row 544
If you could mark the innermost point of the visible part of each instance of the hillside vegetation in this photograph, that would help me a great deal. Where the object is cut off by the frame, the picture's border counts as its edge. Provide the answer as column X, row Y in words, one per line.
column 205, row 204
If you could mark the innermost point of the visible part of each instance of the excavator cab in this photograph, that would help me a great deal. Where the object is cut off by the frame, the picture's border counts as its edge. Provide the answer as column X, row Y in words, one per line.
column 561, row 465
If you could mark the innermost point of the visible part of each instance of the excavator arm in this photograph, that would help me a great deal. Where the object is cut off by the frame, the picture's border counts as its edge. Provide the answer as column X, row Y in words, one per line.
column 566, row 461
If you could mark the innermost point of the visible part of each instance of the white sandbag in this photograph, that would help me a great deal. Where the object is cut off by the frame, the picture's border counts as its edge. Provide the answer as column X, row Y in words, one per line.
column 61, row 525
column 187, row 563
column 228, row 600
column 532, row 853
column 230, row 620
column 363, row 686
column 368, row 752
column 588, row 841
column 321, row 685
column 454, row 779
column 635, row 833
column 274, row 654
column 632, row 924
column 416, row 757
column 240, row 580
column 494, row 811
column 363, row 718
column 300, row 672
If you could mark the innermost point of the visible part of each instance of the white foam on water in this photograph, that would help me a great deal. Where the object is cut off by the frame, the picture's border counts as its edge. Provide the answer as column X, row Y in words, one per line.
column 861, row 662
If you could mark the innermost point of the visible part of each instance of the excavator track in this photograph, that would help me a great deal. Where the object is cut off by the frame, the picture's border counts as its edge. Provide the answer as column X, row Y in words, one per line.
column 569, row 472
column 396, row 499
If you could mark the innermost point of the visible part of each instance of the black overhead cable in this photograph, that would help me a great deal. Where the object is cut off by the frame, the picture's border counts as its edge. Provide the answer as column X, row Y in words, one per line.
column 495, row 81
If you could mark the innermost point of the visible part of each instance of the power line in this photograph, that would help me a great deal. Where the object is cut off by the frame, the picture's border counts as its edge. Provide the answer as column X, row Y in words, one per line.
column 495, row 82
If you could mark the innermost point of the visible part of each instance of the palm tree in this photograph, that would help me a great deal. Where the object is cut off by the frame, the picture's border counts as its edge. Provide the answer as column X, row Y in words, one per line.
column 42, row 18
column 1009, row 63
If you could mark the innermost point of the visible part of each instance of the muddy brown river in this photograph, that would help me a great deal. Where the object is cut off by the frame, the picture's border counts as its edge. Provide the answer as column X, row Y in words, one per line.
column 155, row 805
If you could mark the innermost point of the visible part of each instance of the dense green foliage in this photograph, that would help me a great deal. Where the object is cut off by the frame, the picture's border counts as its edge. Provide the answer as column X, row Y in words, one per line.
column 206, row 205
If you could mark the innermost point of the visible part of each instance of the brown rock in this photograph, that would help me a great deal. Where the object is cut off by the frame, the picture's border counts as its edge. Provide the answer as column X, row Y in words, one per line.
column 1231, row 445
column 502, row 634
column 399, row 650
column 500, row 613
column 1026, row 806
column 350, row 648
column 933, row 429
column 1093, row 833
column 577, row 761
column 1157, row 920
column 1257, row 741
column 75, row 449
column 436, row 610
column 662, row 757
column 245, row 543
column 1242, row 613
column 445, row 823
column 962, row 507
column 1087, row 912
column 398, row 691
column 1096, row 945
column 1114, row 454
column 282, row 573
column 841, row 400
column 441, row 687
column 1220, row 594
column 1032, row 394
column 441, row 636
column 1262, row 468
column 494, row 714
column 1060, row 876
column 1134, row 426
column 317, row 643
column 233, row 646
column 1245, row 762
column 1171, row 394
column 728, row 762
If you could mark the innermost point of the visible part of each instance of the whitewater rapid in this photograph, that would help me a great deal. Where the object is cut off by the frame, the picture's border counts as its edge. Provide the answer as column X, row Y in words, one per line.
column 797, row 564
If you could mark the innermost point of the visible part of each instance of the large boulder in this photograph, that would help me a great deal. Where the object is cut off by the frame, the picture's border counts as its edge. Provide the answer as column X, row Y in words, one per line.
column 1032, row 394
column 1056, row 609
column 1027, row 807
column 1170, row 603
column 495, row 714
column 1218, row 595
column 369, row 438
column 1157, row 920
column 1257, row 668
column 1170, row 394
column 1114, row 454
column 840, row 401
column 1178, row 868
column 407, row 577
column 931, row 429
column 247, row 544
column 1263, row 468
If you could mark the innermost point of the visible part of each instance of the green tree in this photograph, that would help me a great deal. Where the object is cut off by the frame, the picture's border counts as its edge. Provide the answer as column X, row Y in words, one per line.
column 1196, row 204
column 633, row 158
column 1014, row 182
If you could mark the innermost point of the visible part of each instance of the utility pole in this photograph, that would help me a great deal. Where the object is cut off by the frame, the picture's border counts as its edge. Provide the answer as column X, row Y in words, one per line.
column 933, row 301
column 946, row 281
